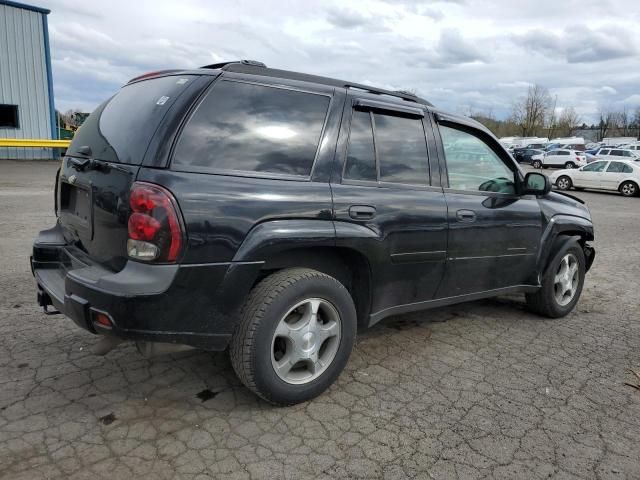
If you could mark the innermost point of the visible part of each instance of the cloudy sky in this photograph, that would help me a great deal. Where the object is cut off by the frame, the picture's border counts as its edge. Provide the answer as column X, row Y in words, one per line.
column 463, row 55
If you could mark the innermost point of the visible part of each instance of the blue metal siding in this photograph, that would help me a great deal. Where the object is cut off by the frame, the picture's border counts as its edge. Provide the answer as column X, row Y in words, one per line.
column 24, row 78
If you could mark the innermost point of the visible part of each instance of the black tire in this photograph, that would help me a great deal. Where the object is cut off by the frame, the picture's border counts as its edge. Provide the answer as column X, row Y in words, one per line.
column 543, row 302
column 629, row 189
column 569, row 165
column 564, row 183
column 267, row 303
column 536, row 164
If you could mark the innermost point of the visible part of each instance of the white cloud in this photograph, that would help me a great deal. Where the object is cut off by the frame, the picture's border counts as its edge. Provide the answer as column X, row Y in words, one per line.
column 459, row 54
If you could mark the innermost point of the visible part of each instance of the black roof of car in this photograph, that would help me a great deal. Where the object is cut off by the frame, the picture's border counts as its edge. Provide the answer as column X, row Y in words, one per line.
column 253, row 67
column 259, row 68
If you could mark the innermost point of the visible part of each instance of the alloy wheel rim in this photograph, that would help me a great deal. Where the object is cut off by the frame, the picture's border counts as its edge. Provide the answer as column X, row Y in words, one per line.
column 565, row 282
column 306, row 341
column 628, row 189
column 563, row 183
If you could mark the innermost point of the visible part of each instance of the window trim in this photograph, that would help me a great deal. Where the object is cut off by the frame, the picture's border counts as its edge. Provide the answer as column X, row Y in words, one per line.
column 249, row 173
column 17, row 117
column 365, row 106
column 493, row 145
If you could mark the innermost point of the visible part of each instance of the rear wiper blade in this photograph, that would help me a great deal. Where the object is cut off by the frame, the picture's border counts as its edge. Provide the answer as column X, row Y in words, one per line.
column 79, row 165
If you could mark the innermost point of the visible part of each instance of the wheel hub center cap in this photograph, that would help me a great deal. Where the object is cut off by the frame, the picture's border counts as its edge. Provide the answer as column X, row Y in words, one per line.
column 308, row 341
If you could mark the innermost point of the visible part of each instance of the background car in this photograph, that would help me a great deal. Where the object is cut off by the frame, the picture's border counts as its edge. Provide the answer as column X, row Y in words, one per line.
column 620, row 175
column 528, row 155
column 617, row 153
column 563, row 157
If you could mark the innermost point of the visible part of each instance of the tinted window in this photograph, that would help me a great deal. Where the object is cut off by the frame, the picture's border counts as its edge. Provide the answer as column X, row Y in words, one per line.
column 120, row 129
column 253, row 128
column 402, row 149
column 562, row 152
column 618, row 153
column 627, row 154
column 617, row 167
column 594, row 167
column 361, row 160
column 473, row 165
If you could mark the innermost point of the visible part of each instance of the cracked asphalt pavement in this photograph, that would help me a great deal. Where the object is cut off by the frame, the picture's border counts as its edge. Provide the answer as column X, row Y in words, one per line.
column 479, row 390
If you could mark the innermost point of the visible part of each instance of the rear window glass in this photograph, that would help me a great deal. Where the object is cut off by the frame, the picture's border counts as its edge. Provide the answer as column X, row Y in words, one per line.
column 253, row 128
column 121, row 128
column 361, row 157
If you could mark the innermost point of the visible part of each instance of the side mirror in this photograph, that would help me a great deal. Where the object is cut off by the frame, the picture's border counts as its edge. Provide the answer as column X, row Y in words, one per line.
column 536, row 184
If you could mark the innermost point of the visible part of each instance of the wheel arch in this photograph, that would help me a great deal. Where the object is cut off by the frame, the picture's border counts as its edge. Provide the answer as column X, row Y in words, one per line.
column 349, row 266
column 280, row 244
column 561, row 230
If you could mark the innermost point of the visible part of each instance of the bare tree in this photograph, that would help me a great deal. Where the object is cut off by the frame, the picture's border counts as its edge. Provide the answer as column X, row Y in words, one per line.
column 530, row 113
column 552, row 119
column 568, row 122
column 605, row 123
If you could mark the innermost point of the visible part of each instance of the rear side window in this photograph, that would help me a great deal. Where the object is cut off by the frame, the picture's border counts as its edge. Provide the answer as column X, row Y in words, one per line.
column 619, row 167
column 120, row 129
column 617, row 153
column 253, row 128
column 402, row 149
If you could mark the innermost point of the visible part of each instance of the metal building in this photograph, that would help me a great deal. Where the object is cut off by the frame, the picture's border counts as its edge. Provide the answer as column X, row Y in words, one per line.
column 26, row 86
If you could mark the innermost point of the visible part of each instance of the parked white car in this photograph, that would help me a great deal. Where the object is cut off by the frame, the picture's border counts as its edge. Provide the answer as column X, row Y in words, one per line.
column 564, row 157
column 617, row 154
column 620, row 175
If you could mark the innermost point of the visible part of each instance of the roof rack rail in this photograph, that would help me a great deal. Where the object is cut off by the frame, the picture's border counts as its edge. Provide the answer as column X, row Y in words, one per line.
column 258, row 68
column 253, row 63
column 410, row 97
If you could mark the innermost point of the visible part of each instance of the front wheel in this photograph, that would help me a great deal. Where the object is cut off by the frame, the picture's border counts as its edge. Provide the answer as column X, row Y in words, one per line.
column 561, row 284
column 563, row 183
column 294, row 337
column 629, row 189
column 536, row 164
column 569, row 165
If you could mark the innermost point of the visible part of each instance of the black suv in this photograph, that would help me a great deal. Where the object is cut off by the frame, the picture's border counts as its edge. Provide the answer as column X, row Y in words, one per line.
column 275, row 212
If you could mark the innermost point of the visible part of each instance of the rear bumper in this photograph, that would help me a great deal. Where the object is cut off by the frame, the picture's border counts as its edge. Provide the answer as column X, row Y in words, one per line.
column 195, row 305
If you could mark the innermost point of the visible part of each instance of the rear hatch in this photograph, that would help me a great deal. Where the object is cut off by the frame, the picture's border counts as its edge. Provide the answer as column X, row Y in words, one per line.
column 92, row 195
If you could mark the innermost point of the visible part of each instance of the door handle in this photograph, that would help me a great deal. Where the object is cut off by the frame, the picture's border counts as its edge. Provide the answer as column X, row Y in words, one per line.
column 362, row 212
column 466, row 216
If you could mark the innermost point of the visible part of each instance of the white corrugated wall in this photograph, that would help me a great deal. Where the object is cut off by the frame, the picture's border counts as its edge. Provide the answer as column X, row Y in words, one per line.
column 23, row 79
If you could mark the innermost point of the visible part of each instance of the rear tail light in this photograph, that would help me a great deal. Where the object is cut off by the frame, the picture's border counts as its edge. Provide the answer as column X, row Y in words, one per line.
column 155, row 229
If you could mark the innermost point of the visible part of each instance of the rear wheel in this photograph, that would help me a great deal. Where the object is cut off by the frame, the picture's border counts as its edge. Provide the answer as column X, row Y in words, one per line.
column 569, row 165
column 629, row 189
column 563, row 183
column 536, row 164
column 294, row 337
column 561, row 284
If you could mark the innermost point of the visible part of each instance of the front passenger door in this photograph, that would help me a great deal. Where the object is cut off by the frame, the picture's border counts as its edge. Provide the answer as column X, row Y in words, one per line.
column 494, row 232
column 589, row 175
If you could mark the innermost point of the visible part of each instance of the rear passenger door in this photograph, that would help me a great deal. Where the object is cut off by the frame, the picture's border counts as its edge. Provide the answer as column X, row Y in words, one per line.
column 494, row 232
column 614, row 174
column 385, row 203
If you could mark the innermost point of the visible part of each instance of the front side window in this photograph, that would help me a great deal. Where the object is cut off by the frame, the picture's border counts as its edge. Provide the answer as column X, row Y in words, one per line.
column 361, row 157
column 594, row 167
column 402, row 149
column 473, row 165
column 253, row 128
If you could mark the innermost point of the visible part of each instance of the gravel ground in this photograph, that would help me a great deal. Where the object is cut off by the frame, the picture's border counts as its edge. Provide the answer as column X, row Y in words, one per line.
column 480, row 390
